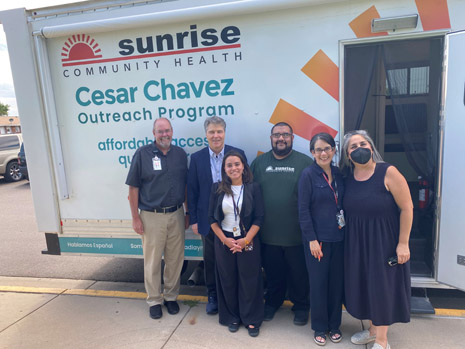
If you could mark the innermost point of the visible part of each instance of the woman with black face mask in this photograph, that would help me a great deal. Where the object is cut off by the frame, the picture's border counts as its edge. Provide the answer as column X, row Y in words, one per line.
column 379, row 214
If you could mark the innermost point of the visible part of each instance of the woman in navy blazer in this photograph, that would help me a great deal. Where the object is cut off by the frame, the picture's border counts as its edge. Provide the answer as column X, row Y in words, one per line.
column 236, row 213
column 321, row 191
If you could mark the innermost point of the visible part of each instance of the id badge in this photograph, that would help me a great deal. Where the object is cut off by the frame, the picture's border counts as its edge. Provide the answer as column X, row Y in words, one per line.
column 341, row 222
column 156, row 163
column 236, row 232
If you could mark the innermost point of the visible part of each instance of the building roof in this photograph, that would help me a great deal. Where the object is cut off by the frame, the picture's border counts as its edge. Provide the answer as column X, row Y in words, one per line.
column 9, row 121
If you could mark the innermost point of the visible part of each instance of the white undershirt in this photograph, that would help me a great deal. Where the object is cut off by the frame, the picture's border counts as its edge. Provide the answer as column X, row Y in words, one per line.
column 229, row 222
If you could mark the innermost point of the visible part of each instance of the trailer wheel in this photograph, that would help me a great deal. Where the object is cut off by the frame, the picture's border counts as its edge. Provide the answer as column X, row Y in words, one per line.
column 13, row 174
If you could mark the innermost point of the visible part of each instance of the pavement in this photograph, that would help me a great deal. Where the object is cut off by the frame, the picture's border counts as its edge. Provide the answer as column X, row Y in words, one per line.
column 60, row 313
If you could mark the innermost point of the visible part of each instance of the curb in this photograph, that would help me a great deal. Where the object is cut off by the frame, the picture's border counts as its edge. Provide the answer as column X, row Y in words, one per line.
column 143, row 295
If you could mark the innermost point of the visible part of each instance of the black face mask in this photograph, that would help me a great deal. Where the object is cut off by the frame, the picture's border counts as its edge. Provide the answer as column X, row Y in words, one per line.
column 361, row 155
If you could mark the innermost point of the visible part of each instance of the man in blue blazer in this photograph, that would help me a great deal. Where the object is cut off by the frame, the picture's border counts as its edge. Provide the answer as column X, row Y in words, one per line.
column 204, row 170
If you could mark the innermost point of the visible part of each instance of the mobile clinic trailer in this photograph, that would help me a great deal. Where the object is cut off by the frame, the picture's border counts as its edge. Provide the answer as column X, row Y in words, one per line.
column 91, row 77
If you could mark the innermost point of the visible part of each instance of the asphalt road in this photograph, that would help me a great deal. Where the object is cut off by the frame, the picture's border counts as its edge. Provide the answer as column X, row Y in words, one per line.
column 21, row 246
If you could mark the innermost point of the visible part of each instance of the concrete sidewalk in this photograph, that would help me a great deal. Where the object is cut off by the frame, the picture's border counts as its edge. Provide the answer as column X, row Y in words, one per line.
column 50, row 313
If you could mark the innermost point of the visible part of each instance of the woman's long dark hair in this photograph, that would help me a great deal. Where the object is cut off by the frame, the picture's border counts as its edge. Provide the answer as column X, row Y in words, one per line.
column 225, row 184
column 325, row 137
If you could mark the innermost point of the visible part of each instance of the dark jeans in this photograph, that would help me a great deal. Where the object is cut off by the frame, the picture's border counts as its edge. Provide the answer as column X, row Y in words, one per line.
column 285, row 271
column 209, row 261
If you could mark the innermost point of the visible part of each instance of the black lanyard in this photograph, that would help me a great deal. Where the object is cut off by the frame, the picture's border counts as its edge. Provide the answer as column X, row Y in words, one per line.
column 236, row 205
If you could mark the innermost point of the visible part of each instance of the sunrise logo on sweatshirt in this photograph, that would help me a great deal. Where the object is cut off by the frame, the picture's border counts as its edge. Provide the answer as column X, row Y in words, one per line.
column 286, row 169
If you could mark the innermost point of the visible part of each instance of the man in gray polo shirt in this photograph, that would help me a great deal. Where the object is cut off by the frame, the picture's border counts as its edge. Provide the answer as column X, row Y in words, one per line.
column 157, row 189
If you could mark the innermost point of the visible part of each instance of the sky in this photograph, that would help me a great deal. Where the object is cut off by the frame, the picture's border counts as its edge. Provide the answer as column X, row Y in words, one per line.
column 7, row 93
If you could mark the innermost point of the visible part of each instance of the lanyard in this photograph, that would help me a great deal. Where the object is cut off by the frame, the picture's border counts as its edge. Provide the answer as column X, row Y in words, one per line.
column 236, row 205
column 334, row 191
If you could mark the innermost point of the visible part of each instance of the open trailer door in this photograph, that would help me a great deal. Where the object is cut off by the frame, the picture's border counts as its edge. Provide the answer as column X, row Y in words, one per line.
column 451, row 257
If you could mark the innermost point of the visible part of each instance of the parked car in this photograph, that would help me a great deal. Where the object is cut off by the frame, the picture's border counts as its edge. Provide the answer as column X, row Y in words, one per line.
column 22, row 163
column 10, row 145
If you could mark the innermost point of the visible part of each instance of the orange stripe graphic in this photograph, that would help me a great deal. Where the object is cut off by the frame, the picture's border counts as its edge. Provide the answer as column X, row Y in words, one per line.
column 434, row 14
column 361, row 25
column 321, row 69
column 303, row 124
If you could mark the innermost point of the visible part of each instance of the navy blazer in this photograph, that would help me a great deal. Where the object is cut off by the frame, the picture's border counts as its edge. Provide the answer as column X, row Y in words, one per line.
column 317, row 204
column 199, row 184
column 252, row 210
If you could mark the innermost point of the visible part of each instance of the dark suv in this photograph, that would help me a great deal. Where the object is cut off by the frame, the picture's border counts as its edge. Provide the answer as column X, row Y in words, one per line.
column 22, row 163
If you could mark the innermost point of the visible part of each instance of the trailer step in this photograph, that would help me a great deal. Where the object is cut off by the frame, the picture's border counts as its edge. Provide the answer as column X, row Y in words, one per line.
column 421, row 305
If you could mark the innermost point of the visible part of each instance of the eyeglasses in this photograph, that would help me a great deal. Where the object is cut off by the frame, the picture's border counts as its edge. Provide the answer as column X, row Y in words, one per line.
column 325, row 149
column 277, row 135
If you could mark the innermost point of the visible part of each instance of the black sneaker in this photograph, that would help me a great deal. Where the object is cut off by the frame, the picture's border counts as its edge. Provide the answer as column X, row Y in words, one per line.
column 234, row 327
column 155, row 311
column 212, row 304
column 300, row 317
column 269, row 313
column 172, row 306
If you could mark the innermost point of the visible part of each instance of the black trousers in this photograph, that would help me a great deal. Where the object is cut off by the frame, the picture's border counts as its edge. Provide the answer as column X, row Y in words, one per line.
column 327, row 285
column 285, row 271
column 239, row 284
column 209, row 261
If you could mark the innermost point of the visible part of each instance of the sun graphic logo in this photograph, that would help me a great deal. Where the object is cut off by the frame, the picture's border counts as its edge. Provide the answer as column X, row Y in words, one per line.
column 80, row 47
column 269, row 169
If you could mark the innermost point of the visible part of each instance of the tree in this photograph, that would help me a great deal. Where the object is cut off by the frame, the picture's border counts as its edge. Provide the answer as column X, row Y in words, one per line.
column 4, row 109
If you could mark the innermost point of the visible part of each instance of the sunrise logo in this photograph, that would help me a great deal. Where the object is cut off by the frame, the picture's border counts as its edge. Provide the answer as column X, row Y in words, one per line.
column 80, row 47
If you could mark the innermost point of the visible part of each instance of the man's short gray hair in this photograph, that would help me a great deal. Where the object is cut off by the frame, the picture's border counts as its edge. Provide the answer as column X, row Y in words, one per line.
column 161, row 118
column 215, row 120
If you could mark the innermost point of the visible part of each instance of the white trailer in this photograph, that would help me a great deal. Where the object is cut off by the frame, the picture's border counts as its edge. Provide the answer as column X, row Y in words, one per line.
column 91, row 77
